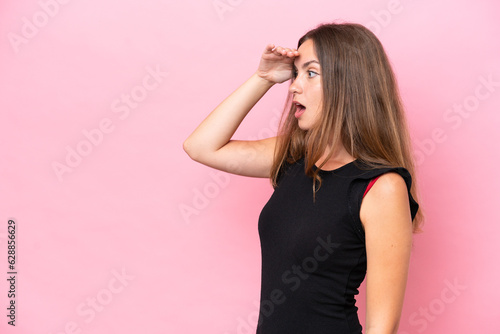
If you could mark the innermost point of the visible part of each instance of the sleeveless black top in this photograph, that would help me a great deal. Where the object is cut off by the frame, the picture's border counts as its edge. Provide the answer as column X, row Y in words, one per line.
column 313, row 253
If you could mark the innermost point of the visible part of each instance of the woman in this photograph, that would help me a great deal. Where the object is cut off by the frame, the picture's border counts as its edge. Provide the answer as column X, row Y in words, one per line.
column 322, row 231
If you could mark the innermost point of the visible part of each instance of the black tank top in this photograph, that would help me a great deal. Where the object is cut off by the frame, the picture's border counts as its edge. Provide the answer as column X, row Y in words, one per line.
column 313, row 253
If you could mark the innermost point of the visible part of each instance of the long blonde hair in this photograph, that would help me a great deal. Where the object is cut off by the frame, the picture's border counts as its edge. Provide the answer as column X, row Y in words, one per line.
column 361, row 108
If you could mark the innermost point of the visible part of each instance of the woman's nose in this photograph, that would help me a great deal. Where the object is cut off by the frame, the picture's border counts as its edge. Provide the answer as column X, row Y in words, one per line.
column 295, row 86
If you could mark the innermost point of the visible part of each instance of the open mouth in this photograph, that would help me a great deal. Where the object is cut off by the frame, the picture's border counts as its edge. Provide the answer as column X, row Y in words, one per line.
column 299, row 109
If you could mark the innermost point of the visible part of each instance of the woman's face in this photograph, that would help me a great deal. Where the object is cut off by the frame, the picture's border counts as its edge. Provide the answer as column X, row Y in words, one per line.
column 306, row 87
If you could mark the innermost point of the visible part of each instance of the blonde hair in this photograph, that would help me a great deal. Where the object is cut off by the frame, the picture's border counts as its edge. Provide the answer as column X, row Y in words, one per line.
column 361, row 108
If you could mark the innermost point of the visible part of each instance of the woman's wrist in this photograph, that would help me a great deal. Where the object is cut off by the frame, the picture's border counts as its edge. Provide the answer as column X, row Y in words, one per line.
column 265, row 82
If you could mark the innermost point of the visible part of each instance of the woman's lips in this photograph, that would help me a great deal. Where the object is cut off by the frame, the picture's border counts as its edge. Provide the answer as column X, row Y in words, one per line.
column 300, row 109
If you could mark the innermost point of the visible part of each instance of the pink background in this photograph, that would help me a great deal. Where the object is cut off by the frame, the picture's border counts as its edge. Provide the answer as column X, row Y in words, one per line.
column 134, row 237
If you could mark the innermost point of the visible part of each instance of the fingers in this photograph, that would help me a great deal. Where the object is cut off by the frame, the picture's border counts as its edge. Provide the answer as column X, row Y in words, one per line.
column 286, row 52
column 281, row 51
column 270, row 47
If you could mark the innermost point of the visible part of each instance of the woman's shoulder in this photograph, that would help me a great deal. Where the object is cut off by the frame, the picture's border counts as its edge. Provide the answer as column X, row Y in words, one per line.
column 390, row 182
column 362, row 170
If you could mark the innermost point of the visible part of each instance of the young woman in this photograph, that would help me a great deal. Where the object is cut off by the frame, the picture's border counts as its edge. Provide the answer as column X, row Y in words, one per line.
column 344, row 205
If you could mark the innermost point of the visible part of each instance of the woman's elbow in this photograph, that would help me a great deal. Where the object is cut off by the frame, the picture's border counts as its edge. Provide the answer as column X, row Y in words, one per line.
column 189, row 148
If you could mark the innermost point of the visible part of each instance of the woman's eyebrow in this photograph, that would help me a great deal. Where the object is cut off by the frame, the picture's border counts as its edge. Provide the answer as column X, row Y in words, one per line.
column 307, row 63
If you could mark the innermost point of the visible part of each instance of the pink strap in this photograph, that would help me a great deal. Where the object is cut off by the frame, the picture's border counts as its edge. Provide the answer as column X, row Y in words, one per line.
column 372, row 182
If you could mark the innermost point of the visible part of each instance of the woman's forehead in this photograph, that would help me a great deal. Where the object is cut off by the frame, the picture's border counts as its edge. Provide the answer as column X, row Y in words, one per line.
column 307, row 54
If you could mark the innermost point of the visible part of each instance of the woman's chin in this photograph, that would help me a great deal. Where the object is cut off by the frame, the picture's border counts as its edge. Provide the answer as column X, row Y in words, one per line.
column 303, row 124
column 303, row 127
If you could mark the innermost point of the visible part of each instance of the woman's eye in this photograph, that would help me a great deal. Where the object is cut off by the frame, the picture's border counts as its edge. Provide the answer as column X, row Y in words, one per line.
column 311, row 74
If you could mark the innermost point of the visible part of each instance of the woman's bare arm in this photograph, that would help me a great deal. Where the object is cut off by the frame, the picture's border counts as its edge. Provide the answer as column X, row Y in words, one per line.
column 386, row 217
column 211, row 144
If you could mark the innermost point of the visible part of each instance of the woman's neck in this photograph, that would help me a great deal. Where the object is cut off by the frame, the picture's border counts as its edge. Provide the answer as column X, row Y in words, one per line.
column 339, row 157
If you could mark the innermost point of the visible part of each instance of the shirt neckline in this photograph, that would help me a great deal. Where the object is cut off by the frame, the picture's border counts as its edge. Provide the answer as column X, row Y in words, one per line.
column 334, row 170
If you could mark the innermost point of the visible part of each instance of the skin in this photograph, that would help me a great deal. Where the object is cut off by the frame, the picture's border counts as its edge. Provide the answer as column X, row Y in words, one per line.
column 386, row 218
column 385, row 212
column 306, row 87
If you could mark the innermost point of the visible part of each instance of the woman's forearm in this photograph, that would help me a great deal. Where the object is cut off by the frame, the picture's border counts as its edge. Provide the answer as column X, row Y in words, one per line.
column 220, row 125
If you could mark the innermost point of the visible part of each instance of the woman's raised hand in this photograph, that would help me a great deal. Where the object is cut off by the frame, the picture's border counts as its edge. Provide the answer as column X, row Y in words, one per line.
column 276, row 64
column 211, row 142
